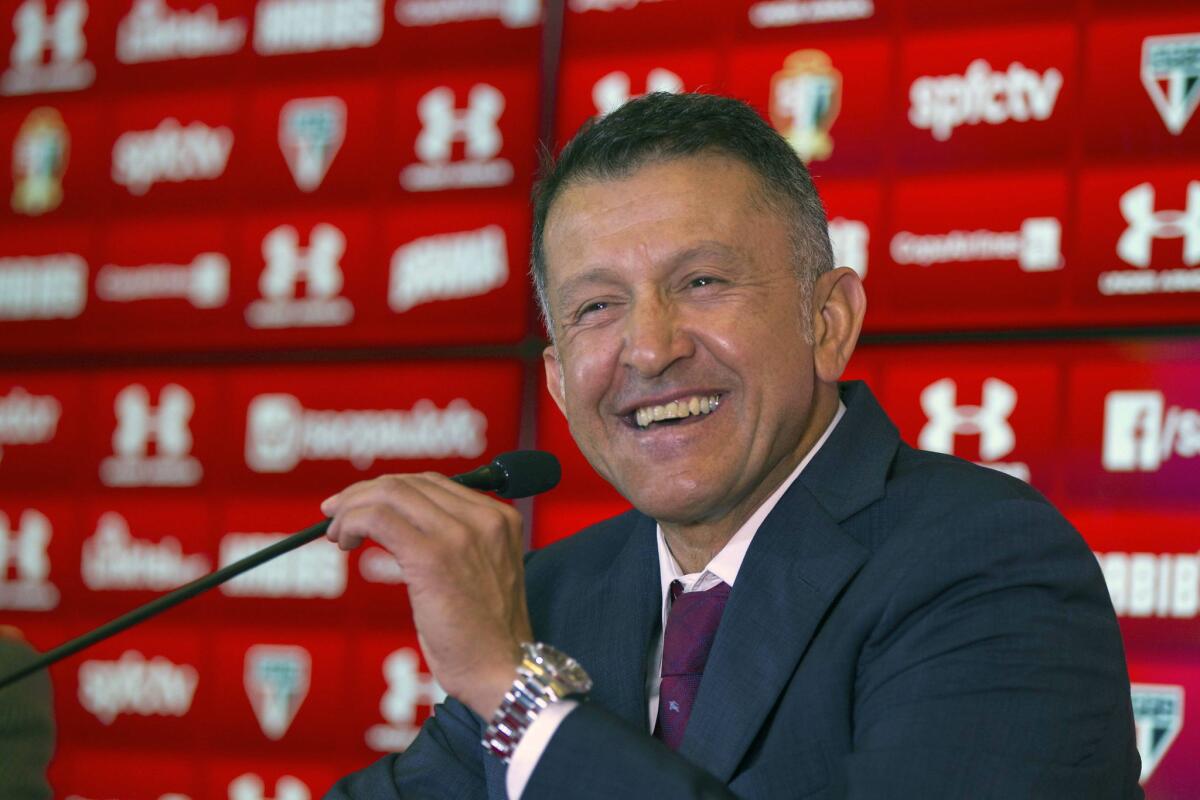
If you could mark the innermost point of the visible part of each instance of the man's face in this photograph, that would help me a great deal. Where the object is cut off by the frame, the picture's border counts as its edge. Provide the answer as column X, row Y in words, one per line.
column 676, row 285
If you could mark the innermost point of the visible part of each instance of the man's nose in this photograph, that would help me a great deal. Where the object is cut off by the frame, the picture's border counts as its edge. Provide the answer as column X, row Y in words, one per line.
column 655, row 337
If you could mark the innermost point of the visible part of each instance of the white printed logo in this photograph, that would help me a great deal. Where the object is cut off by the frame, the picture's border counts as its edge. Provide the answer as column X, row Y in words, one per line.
column 43, row 287
column 1146, row 225
column 139, row 424
column 280, row 433
column 1141, row 432
column 448, row 266
column 989, row 421
column 1171, row 74
column 377, row 565
column 48, row 51
column 204, row 283
column 311, row 132
column 27, row 418
column 849, row 238
column 614, row 89
column 112, row 559
column 308, row 26
column 276, row 678
column 287, row 263
column 1158, row 719
column 1161, row 585
column 171, row 152
column 1135, row 246
column 152, row 31
column 318, row 570
column 250, row 787
column 408, row 689
column 580, row 6
column 1019, row 94
column 511, row 13
column 784, row 13
column 1036, row 247
column 134, row 685
column 443, row 124
column 25, row 563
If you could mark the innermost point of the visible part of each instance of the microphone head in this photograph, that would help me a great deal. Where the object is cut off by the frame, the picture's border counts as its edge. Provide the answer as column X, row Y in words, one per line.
column 527, row 472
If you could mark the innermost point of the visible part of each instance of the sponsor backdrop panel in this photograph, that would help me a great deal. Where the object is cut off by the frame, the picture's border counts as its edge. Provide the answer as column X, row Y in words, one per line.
column 176, row 150
column 975, row 250
column 41, row 431
column 828, row 98
column 44, row 276
column 1162, row 688
column 1142, row 86
column 175, row 249
column 787, row 19
column 1134, row 433
column 1001, row 94
column 595, row 85
column 1139, row 243
column 322, row 427
column 178, row 43
column 593, row 25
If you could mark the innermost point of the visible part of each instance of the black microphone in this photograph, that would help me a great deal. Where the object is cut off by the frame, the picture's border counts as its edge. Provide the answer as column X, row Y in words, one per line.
column 518, row 473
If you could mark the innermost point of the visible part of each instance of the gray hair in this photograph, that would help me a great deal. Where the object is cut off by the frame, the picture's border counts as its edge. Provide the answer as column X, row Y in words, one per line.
column 661, row 127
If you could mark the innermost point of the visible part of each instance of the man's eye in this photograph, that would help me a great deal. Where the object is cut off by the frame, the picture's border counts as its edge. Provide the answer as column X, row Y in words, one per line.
column 703, row 280
column 588, row 308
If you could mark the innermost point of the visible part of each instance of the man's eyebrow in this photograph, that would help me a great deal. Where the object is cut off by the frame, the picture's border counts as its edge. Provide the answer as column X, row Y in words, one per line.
column 607, row 275
column 592, row 275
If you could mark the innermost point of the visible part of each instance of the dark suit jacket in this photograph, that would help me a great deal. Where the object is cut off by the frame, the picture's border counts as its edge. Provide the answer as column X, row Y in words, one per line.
column 905, row 624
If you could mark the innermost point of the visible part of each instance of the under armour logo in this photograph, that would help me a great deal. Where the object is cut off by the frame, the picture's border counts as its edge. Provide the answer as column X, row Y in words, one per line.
column 477, row 126
column 139, row 423
column 24, row 554
column 989, row 420
column 408, row 688
column 250, row 787
column 37, row 31
column 1146, row 224
column 25, row 548
column 613, row 90
column 287, row 262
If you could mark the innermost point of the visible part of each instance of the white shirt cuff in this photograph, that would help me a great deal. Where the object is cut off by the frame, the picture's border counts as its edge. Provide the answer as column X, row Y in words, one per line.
column 533, row 744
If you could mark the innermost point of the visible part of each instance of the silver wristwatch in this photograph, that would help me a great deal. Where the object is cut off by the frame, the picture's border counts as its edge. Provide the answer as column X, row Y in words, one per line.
column 544, row 676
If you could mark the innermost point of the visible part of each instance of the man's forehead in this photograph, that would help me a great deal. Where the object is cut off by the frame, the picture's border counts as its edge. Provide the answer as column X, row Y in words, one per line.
column 695, row 191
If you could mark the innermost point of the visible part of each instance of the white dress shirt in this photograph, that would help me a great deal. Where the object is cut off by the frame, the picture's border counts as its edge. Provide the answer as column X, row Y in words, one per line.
column 724, row 567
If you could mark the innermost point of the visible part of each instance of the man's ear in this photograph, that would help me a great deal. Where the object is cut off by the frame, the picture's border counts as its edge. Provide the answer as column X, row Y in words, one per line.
column 840, row 305
column 554, row 377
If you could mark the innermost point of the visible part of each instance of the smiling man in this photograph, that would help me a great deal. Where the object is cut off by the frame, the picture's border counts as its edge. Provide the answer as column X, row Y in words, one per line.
column 800, row 605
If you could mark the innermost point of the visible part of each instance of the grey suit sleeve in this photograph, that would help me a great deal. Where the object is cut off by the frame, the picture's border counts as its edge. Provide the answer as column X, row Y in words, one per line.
column 444, row 761
column 997, row 670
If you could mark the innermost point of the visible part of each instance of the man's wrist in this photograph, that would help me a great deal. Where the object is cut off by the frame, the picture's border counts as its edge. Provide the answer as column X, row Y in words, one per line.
column 544, row 676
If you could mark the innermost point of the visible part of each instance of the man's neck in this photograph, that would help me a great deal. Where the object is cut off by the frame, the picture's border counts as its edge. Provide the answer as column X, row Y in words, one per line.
column 695, row 544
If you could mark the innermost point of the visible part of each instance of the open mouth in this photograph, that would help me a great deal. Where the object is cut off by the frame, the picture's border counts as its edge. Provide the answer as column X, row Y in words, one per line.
column 676, row 412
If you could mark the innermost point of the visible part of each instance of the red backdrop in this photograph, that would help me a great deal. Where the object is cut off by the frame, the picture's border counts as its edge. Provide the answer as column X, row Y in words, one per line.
column 252, row 251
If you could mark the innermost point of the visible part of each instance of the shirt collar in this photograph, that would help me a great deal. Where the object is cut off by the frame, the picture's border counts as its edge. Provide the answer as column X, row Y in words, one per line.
column 725, row 565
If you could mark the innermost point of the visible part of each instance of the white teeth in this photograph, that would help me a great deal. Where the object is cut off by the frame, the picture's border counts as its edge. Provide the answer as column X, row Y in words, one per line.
column 676, row 409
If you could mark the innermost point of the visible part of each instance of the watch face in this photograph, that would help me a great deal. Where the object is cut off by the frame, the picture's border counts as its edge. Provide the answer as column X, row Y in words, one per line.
column 562, row 668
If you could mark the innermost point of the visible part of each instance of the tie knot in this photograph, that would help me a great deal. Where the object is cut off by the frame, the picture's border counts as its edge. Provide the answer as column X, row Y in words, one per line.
column 691, row 625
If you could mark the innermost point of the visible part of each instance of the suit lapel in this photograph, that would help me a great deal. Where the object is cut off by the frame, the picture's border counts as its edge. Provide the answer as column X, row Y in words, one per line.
column 624, row 614
column 797, row 565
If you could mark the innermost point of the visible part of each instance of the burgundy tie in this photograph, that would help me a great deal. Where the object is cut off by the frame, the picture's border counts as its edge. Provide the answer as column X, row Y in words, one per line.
column 691, row 627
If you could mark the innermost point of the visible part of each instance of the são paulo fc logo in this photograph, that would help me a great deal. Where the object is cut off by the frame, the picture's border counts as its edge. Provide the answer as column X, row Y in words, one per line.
column 1158, row 719
column 1171, row 74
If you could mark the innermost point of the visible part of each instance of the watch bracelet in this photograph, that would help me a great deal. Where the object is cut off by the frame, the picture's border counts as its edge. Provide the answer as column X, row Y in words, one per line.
column 532, row 691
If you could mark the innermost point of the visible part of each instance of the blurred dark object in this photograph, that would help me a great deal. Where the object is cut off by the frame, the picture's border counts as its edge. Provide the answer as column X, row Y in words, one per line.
column 26, row 724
